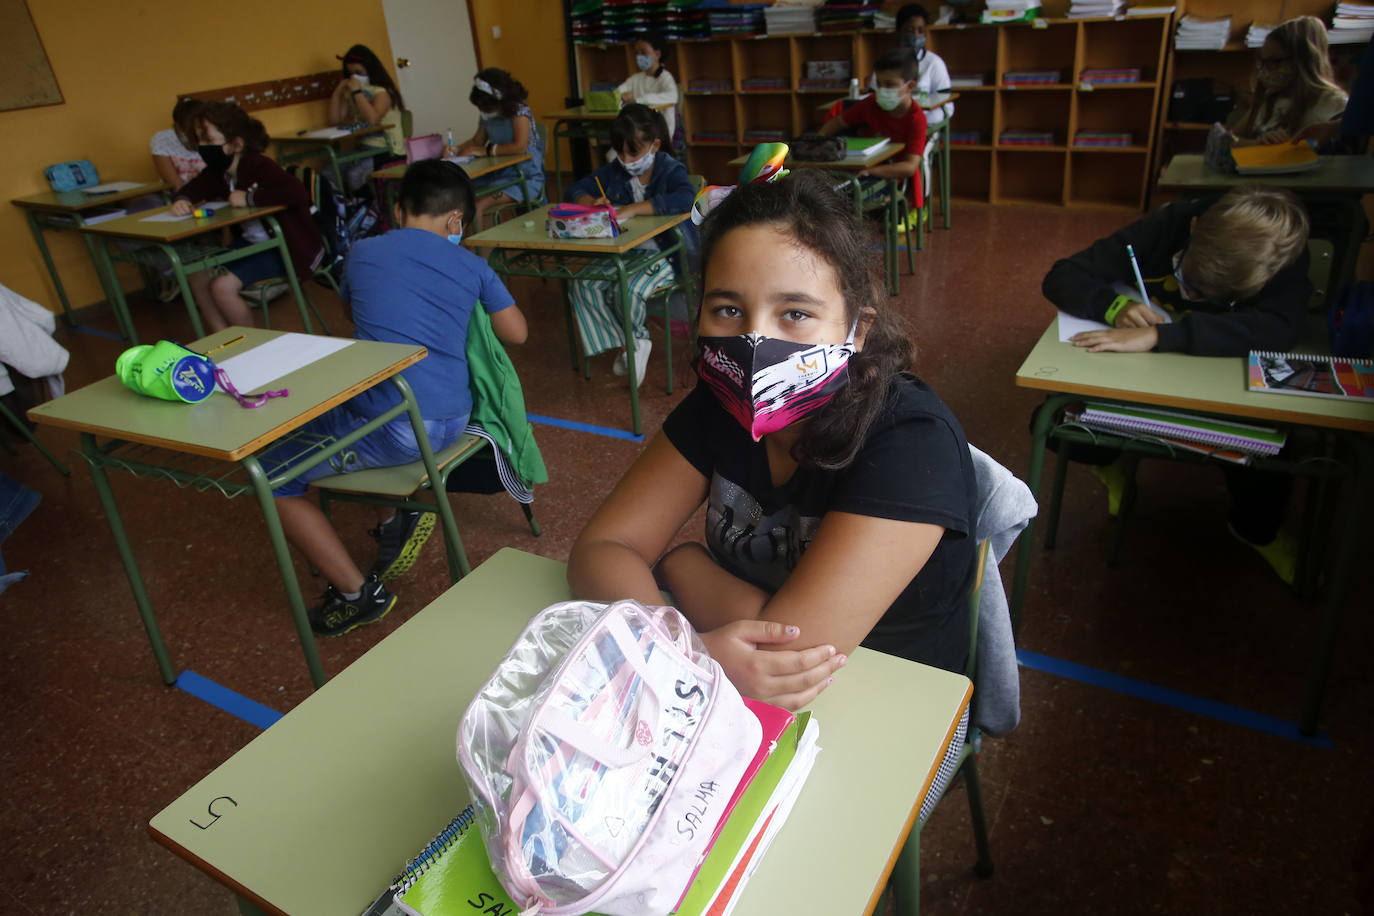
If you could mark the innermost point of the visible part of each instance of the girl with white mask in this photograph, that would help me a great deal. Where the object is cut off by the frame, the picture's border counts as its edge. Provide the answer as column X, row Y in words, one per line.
column 651, row 84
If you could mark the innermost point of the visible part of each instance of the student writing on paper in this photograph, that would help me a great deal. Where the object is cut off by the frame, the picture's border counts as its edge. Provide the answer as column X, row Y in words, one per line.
column 1233, row 274
column 232, row 144
column 838, row 487
column 507, row 129
column 643, row 179
column 413, row 285
column 1295, row 91
column 892, row 112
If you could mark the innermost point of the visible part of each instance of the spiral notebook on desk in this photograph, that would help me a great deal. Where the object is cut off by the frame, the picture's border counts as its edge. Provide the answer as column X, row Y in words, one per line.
column 1311, row 376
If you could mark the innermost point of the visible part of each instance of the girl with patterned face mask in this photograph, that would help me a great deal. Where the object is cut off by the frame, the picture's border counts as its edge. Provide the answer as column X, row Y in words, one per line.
column 1295, row 93
column 837, row 487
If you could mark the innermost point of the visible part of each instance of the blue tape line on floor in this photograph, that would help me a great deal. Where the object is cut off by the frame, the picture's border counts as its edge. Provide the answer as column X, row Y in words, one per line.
column 585, row 427
column 1166, row 697
column 96, row 332
column 233, row 703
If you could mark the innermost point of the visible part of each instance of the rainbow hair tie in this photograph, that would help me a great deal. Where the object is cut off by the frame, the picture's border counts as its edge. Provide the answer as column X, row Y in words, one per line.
column 765, row 163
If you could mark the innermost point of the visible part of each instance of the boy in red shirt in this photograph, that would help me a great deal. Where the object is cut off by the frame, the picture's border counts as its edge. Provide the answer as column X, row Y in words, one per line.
column 891, row 112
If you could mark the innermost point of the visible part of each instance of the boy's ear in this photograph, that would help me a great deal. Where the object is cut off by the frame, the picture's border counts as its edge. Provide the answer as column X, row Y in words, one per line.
column 397, row 214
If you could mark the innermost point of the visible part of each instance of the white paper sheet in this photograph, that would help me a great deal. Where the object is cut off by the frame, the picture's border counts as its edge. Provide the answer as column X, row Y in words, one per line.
column 167, row 216
column 1070, row 325
column 459, row 160
column 327, row 133
column 111, row 187
column 104, row 217
column 270, row 361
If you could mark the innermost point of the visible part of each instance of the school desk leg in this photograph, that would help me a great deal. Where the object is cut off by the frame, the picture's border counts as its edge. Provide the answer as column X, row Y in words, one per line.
column 906, row 875
column 126, row 556
column 558, row 134
column 1338, row 590
column 1040, row 429
column 192, row 310
column 630, row 368
column 282, row 552
column 291, row 275
column 109, row 282
column 453, row 544
column 36, row 227
column 944, row 171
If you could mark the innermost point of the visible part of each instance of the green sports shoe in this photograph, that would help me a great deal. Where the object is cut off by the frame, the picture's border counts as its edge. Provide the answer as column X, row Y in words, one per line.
column 1114, row 476
column 339, row 615
column 399, row 541
column 1281, row 554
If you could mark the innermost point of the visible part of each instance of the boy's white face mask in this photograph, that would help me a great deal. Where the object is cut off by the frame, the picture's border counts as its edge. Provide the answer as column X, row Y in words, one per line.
column 888, row 99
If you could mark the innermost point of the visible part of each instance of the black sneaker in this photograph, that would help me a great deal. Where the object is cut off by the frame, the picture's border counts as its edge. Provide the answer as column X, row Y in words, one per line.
column 398, row 543
column 338, row 615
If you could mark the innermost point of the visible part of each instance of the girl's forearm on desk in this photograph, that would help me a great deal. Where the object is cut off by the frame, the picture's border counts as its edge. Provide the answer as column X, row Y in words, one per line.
column 706, row 593
column 608, row 571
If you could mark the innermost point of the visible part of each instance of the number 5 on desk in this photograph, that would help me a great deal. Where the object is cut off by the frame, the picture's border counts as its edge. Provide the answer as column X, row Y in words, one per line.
column 214, row 816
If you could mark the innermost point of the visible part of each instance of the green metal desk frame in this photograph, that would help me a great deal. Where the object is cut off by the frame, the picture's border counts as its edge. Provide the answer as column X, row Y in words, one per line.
column 592, row 265
column 595, row 130
column 236, row 479
column 306, row 148
column 186, row 260
column 1357, row 468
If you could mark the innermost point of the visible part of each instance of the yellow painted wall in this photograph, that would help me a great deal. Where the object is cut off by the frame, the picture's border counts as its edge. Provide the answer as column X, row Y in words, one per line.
column 120, row 66
column 531, row 48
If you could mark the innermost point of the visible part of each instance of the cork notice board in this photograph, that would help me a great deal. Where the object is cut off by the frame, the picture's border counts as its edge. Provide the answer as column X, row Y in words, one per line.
column 26, row 77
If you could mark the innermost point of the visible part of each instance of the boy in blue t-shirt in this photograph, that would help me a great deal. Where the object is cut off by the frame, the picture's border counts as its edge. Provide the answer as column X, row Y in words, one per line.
column 414, row 285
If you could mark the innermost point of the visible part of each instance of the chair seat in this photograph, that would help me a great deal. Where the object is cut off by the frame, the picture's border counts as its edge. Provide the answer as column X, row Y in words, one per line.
column 399, row 480
column 264, row 291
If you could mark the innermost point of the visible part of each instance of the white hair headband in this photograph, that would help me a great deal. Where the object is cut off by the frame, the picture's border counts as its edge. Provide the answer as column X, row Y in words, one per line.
column 486, row 87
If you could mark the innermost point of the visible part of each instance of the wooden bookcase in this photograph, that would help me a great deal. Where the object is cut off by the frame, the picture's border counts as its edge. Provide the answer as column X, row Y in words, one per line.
column 718, row 122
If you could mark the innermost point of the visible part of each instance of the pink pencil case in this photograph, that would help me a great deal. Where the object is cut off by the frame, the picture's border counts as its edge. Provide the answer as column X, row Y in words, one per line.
column 575, row 221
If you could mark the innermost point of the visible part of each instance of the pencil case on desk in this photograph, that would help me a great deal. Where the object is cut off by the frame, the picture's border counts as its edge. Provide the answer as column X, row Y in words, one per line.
column 576, row 221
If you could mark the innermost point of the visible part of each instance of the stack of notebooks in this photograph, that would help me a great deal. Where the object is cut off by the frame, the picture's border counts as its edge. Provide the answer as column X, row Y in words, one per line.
column 1353, row 23
column 1102, row 138
column 453, row 874
column 1237, row 443
column 863, row 149
column 789, row 20
column 1150, row 11
column 708, row 84
column 1088, row 9
column 845, row 16
column 1031, row 77
column 680, row 24
column 1095, row 76
column 965, row 137
column 1255, row 35
column 1011, row 10
column 1026, row 138
column 967, row 80
column 763, row 83
column 766, row 135
column 1195, row 34
column 736, row 20
column 1311, row 376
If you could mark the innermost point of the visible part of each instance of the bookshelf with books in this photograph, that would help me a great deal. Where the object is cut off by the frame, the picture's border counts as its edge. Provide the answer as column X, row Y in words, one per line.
column 738, row 89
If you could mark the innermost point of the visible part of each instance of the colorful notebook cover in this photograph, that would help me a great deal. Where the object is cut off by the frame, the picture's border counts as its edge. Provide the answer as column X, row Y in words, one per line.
column 1311, row 376
column 1274, row 158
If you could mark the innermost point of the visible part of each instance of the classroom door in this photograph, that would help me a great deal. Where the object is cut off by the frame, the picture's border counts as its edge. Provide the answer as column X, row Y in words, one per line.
column 435, row 36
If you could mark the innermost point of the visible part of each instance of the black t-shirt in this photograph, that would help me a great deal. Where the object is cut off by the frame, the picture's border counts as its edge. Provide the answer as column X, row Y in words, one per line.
column 914, row 467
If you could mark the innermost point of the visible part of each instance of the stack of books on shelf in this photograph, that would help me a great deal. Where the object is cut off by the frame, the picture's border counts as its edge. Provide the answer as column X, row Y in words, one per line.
column 1011, row 10
column 763, row 83
column 1102, row 138
column 609, row 21
column 826, row 74
column 708, row 84
column 965, row 137
column 680, row 24
column 1255, row 35
column 967, row 80
column 845, row 16
column 453, row 874
column 884, row 22
column 1202, row 34
column 1086, row 9
column 790, row 20
column 766, row 135
column 1237, row 443
column 736, row 20
column 1026, row 138
column 1150, row 11
column 712, row 136
column 1115, row 75
column 1031, row 77
column 1353, row 23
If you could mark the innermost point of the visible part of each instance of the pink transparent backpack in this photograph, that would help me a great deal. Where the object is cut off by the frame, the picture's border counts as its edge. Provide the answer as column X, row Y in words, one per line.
column 601, row 755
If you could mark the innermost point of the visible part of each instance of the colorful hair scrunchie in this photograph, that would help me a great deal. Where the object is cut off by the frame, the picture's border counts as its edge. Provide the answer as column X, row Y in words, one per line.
column 764, row 164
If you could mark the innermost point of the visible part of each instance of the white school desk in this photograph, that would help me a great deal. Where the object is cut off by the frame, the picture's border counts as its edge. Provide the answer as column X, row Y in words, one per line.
column 1208, row 385
column 318, row 813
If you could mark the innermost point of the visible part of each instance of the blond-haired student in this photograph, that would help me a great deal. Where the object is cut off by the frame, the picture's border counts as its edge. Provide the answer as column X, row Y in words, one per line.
column 1295, row 92
column 1232, row 274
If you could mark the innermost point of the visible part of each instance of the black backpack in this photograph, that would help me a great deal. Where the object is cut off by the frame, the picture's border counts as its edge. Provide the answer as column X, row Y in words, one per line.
column 341, row 220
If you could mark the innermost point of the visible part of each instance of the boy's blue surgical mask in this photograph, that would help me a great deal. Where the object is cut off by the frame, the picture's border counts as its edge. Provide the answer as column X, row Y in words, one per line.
column 644, row 62
column 888, row 99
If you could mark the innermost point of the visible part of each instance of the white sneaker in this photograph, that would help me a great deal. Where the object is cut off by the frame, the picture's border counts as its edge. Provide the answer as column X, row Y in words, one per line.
column 618, row 367
column 642, row 347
